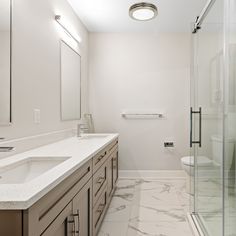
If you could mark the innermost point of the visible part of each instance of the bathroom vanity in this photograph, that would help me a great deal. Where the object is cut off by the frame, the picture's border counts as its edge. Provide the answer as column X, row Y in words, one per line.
column 71, row 198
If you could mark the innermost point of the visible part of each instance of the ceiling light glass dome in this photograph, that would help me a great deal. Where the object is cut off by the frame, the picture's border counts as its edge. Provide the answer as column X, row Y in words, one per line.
column 143, row 11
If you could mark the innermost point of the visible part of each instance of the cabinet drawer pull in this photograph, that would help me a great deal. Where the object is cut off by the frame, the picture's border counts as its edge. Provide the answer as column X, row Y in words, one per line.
column 101, row 157
column 78, row 218
column 101, row 208
column 70, row 221
column 101, row 180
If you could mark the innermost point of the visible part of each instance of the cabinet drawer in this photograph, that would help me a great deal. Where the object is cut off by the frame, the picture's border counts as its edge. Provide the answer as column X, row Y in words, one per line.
column 62, row 225
column 112, row 147
column 99, row 212
column 102, row 156
column 46, row 209
column 99, row 159
column 99, row 180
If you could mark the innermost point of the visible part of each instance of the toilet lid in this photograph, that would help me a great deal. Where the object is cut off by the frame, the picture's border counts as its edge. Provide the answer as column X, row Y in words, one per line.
column 201, row 161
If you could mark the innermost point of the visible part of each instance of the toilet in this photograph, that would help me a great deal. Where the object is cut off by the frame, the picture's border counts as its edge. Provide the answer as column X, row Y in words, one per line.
column 205, row 163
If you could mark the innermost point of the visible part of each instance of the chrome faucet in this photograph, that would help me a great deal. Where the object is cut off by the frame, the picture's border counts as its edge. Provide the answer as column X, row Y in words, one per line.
column 81, row 128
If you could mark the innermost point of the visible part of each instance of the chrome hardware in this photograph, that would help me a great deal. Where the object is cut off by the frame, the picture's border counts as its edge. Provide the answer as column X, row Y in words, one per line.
column 101, row 208
column 81, row 128
column 203, row 15
column 101, row 180
column 159, row 115
column 70, row 224
column 78, row 221
column 101, row 157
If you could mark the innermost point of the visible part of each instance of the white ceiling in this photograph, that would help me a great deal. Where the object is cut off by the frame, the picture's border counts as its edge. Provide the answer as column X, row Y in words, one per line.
column 112, row 15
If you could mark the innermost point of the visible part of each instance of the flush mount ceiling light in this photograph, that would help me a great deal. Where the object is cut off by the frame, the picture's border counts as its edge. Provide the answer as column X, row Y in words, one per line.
column 143, row 11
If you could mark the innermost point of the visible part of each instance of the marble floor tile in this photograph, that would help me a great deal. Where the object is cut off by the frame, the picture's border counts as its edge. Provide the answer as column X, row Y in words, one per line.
column 126, row 184
column 126, row 195
column 113, row 229
column 159, row 229
column 150, row 207
column 119, row 210
column 157, row 196
column 157, row 214
column 147, row 184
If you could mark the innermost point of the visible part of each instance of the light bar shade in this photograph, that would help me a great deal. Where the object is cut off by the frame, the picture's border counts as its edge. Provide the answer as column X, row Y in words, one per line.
column 73, row 35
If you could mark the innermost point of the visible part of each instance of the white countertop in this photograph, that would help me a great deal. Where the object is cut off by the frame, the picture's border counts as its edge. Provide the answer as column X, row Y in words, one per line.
column 22, row 196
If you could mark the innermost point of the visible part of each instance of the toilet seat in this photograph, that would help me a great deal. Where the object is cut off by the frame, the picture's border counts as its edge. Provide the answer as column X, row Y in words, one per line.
column 201, row 161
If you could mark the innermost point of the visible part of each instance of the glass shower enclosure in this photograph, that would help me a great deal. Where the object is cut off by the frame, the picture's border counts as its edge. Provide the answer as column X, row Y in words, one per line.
column 213, row 119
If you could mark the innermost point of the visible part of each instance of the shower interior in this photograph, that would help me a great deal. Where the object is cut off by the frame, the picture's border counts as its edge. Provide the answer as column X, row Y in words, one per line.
column 213, row 89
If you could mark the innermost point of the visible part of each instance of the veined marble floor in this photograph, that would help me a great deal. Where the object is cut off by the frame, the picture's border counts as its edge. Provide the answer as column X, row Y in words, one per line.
column 144, row 207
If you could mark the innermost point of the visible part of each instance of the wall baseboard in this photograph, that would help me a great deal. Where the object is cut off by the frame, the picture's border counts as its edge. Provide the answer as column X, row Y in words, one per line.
column 164, row 174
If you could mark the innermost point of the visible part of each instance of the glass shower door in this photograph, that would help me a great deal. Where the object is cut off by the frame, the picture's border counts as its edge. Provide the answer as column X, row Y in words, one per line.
column 230, row 123
column 207, row 127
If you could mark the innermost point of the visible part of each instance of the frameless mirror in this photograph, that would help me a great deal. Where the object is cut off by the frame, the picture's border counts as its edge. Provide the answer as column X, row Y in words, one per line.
column 5, row 62
column 70, row 83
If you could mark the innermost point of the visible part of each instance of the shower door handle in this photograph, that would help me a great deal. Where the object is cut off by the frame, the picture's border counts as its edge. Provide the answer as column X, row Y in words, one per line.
column 191, row 127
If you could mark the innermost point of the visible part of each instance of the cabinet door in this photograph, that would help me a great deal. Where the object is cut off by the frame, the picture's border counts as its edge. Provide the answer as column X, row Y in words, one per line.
column 63, row 225
column 82, row 211
column 115, row 168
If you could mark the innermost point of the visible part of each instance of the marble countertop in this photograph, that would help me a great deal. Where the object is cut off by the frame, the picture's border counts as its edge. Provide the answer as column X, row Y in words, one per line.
column 22, row 196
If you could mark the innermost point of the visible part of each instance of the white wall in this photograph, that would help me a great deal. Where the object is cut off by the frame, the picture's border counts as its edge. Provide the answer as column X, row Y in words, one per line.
column 138, row 71
column 36, row 66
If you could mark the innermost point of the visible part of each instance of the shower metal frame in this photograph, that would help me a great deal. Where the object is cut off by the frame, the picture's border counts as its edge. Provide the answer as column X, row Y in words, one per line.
column 202, row 16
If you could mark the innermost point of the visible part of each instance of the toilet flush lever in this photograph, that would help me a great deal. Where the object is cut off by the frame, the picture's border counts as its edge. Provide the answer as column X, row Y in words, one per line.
column 200, row 127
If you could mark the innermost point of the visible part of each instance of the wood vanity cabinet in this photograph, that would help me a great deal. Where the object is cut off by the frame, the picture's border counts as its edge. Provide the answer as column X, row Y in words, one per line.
column 76, row 207
column 75, row 218
column 103, row 166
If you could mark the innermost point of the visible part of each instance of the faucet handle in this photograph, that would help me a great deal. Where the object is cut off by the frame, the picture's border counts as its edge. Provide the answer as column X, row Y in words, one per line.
column 81, row 127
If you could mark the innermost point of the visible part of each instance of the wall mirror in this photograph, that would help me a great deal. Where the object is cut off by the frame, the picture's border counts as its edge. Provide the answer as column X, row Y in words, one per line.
column 5, row 62
column 70, row 83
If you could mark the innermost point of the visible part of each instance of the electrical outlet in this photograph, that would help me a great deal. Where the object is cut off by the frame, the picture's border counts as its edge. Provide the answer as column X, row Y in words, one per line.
column 37, row 118
column 169, row 144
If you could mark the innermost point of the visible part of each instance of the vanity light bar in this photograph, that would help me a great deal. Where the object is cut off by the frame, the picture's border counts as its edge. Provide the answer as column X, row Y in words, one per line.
column 77, row 38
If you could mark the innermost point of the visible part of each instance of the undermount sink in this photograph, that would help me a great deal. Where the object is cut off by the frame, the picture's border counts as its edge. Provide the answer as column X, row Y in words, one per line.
column 28, row 169
column 93, row 136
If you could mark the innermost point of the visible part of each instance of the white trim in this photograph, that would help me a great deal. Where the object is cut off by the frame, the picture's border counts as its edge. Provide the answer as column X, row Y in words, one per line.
column 179, row 174
column 194, row 225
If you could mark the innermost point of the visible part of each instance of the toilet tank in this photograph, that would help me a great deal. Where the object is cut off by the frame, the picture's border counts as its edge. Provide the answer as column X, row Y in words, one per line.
column 217, row 150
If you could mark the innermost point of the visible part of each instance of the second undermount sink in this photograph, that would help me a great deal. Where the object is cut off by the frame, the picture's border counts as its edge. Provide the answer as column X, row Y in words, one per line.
column 93, row 136
column 28, row 169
